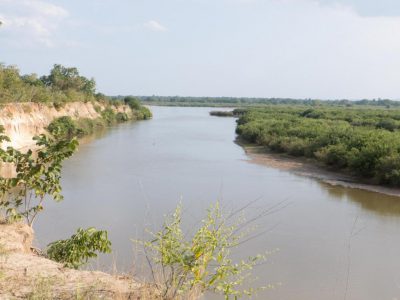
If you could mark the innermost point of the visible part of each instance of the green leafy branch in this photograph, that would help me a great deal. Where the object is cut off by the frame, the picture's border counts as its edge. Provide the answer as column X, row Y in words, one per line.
column 37, row 175
column 76, row 251
column 183, row 266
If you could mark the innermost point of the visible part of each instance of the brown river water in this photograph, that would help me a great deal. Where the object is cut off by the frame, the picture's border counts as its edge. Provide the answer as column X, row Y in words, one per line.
column 327, row 242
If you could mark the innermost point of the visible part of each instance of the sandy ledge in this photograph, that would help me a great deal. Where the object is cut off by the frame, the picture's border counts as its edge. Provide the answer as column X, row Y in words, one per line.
column 310, row 168
column 26, row 275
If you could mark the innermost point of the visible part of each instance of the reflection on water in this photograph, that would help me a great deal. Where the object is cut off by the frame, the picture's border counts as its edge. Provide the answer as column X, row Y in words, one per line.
column 380, row 204
column 133, row 175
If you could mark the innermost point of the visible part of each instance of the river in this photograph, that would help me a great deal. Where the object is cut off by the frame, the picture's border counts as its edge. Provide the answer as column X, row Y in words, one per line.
column 327, row 242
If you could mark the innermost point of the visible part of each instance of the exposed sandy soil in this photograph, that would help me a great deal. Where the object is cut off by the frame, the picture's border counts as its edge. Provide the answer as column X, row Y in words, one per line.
column 22, row 121
column 25, row 275
column 310, row 168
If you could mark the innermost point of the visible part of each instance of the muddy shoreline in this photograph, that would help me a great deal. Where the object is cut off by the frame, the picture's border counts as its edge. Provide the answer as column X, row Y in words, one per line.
column 310, row 168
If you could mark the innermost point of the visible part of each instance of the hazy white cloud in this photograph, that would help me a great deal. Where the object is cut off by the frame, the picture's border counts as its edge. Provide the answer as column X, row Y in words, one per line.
column 30, row 22
column 154, row 26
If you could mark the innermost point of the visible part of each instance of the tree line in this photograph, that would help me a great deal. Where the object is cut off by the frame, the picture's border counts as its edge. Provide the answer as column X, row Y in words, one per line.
column 247, row 101
column 63, row 84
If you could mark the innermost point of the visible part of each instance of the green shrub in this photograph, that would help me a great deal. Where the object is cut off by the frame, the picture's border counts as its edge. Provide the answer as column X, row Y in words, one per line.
column 79, row 248
column 387, row 124
column 140, row 112
column 41, row 95
column 37, row 177
column 88, row 126
column 202, row 262
column 333, row 155
column 64, row 127
column 108, row 116
column 132, row 102
column 121, row 117
column 143, row 113
column 295, row 146
column 389, row 169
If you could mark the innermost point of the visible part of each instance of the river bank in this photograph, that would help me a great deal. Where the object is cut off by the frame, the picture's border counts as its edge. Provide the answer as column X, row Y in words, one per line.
column 26, row 275
column 310, row 168
column 22, row 121
column 24, row 272
column 127, row 180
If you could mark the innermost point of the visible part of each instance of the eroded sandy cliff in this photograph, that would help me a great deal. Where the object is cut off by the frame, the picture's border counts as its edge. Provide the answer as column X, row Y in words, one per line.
column 22, row 121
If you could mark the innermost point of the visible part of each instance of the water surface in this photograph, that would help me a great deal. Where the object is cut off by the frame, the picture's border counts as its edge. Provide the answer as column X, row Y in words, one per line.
column 328, row 237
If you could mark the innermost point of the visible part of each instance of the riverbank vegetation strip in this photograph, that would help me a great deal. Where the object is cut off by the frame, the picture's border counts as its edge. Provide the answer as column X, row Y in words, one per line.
column 363, row 141
column 62, row 86
column 66, row 126
column 257, row 102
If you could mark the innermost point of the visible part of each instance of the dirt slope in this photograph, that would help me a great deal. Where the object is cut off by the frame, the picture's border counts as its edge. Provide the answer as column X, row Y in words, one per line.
column 25, row 275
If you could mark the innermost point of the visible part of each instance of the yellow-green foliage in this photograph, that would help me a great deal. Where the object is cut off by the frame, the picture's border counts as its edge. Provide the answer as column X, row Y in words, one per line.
column 202, row 262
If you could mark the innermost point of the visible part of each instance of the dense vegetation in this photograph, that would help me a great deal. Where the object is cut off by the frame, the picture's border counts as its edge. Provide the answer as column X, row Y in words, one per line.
column 363, row 141
column 235, row 102
column 61, row 85
column 67, row 127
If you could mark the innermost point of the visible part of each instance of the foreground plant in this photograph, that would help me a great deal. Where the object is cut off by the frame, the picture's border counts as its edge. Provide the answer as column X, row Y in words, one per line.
column 76, row 251
column 183, row 267
column 37, row 176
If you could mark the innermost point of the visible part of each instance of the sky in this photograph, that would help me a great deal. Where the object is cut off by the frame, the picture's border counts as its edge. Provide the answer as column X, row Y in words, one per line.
column 325, row 49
